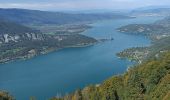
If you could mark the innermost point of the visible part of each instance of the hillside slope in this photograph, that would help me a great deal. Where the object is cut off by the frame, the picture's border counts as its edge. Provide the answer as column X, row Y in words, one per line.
column 148, row 81
column 158, row 32
column 155, row 31
column 14, row 28
column 20, row 42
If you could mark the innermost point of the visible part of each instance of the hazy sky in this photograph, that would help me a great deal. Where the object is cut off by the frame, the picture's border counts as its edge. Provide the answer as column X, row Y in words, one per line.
column 80, row 4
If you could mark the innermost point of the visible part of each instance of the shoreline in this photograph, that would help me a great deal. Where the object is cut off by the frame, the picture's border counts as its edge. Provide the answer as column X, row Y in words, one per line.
column 23, row 58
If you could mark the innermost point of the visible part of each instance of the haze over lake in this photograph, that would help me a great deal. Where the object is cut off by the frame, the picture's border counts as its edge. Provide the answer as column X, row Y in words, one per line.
column 68, row 69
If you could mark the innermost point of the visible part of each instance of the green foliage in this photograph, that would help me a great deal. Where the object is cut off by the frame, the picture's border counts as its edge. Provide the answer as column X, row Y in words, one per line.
column 33, row 98
column 145, row 53
column 5, row 96
column 147, row 81
column 30, row 43
column 158, row 32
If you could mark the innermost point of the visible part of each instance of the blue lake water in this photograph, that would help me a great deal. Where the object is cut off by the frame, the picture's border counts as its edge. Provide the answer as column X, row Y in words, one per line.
column 64, row 71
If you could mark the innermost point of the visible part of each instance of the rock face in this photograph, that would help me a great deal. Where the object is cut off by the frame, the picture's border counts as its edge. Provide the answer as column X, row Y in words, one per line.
column 13, row 32
column 27, row 45
column 7, row 38
column 20, row 42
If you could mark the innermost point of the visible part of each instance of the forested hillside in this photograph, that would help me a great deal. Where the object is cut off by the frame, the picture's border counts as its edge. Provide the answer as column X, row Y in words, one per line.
column 20, row 42
column 154, row 31
column 147, row 81
column 158, row 32
column 5, row 96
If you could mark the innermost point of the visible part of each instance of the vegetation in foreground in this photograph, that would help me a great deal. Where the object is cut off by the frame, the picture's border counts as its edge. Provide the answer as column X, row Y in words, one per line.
column 147, row 81
column 5, row 96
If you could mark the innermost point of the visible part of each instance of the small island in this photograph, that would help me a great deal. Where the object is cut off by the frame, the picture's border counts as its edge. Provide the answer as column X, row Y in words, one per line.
column 106, row 39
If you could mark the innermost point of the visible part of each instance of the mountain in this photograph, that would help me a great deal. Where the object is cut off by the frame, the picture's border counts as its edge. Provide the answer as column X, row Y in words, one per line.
column 20, row 42
column 152, row 7
column 155, row 31
column 158, row 32
column 24, row 16
column 14, row 28
column 152, row 11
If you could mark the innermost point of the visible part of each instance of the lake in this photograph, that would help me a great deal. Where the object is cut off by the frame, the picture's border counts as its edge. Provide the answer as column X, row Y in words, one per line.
column 64, row 71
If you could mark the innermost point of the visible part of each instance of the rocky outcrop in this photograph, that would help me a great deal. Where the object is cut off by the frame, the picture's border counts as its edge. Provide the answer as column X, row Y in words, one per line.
column 6, row 38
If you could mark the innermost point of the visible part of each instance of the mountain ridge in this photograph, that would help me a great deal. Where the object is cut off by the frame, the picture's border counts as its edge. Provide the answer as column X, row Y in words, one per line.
column 20, row 42
column 25, row 16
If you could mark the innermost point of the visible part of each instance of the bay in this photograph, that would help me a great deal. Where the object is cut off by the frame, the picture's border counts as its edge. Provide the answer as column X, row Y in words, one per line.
column 64, row 71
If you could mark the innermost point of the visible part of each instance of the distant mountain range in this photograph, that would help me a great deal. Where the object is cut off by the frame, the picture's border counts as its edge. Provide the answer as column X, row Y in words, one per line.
column 24, row 16
column 151, row 11
column 14, row 28
column 152, row 7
